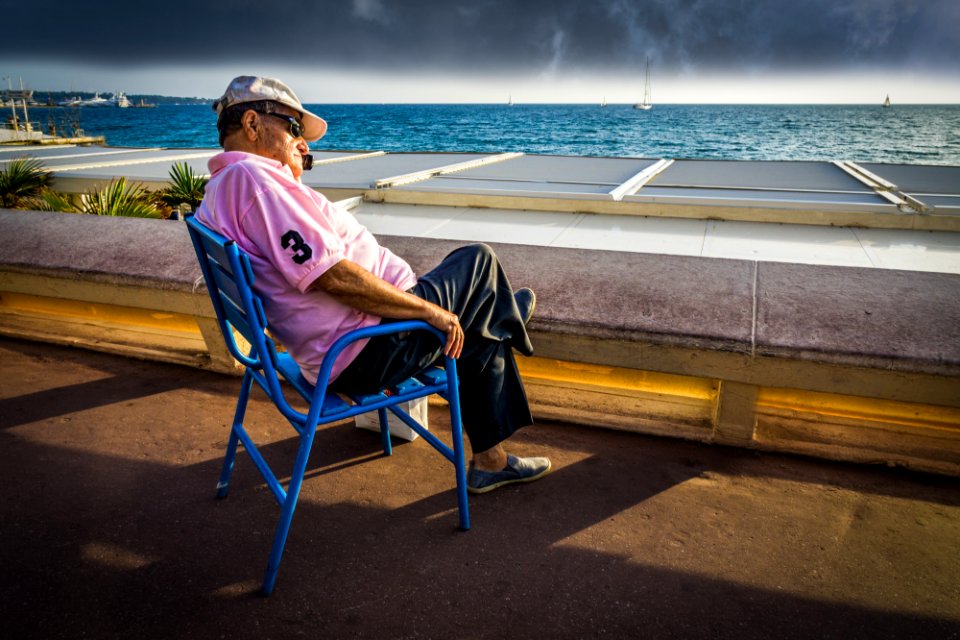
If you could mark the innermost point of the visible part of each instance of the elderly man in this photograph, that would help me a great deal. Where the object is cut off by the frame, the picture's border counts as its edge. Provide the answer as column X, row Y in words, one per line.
column 323, row 274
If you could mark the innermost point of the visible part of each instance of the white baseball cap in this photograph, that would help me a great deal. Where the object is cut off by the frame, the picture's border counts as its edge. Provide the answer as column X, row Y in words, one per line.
column 253, row 88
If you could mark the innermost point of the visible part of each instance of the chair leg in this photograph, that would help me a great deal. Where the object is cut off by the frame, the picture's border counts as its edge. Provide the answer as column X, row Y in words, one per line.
column 456, row 428
column 223, row 485
column 286, row 511
column 461, row 471
column 385, row 433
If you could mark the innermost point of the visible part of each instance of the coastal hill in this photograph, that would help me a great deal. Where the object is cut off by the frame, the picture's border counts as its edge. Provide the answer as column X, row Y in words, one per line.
column 56, row 97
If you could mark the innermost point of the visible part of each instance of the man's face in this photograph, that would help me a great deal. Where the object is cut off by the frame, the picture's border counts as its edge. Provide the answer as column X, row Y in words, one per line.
column 278, row 143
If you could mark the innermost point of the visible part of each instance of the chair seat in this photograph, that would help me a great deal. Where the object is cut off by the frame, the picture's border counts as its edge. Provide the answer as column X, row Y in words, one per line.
column 290, row 370
column 334, row 404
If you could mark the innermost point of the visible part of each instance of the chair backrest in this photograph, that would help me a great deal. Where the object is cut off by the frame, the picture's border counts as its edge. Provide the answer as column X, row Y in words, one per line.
column 229, row 278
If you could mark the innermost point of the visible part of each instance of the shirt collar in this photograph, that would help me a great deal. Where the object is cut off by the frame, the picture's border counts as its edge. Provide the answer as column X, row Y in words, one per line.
column 226, row 158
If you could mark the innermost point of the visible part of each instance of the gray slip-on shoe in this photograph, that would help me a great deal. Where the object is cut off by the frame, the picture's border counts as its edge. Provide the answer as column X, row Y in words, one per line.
column 517, row 470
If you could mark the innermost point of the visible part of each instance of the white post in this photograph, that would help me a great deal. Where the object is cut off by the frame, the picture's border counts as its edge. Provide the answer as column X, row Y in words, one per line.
column 13, row 103
column 23, row 98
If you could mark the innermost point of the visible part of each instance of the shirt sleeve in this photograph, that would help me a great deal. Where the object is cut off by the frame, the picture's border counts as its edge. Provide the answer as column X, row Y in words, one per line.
column 296, row 235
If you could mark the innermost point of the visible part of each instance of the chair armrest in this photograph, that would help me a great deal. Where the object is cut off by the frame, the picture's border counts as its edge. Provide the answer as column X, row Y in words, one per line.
column 323, row 377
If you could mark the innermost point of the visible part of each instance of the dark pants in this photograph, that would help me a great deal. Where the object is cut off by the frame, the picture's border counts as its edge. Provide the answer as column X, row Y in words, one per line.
column 470, row 283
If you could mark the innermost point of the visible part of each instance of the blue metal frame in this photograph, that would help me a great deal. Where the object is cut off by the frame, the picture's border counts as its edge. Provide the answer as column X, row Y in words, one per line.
column 229, row 277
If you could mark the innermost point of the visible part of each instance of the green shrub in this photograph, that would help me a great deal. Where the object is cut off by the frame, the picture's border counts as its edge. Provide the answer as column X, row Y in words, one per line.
column 185, row 187
column 21, row 183
column 25, row 184
column 120, row 199
column 51, row 200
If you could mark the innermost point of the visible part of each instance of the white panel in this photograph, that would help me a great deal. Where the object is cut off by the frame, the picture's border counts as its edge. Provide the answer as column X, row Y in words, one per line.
column 770, row 242
column 497, row 225
column 912, row 250
column 802, row 244
column 404, row 220
column 671, row 236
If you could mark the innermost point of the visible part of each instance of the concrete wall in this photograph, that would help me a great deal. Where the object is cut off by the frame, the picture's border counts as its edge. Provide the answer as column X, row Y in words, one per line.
column 853, row 364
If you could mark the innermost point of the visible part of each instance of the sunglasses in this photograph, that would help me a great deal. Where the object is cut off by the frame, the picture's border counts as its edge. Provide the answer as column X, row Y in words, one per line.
column 296, row 129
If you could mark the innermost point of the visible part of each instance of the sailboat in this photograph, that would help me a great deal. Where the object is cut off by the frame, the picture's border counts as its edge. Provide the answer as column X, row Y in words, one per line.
column 603, row 102
column 886, row 102
column 646, row 105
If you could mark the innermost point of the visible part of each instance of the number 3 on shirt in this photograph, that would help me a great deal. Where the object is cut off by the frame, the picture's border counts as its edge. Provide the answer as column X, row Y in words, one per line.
column 301, row 250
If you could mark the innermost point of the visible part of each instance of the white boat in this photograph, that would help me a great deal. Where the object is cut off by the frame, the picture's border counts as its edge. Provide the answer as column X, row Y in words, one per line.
column 603, row 102
column 120, row 99
column 646, row 105
column 95, row 101
column 886, row 102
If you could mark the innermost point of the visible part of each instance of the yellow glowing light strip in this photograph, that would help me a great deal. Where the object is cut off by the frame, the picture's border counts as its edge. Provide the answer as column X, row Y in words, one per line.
column 617, row 378
column 98, row 312
column 862, row 409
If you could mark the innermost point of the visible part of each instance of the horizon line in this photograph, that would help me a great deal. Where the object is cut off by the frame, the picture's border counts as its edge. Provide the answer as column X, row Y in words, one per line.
column 586, row 103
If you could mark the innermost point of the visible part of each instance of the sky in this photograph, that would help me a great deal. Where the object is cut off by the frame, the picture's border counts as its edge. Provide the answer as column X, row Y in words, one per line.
column 471, row 51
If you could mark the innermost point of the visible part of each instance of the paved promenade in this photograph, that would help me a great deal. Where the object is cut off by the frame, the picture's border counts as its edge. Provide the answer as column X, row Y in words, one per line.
column 109, row 528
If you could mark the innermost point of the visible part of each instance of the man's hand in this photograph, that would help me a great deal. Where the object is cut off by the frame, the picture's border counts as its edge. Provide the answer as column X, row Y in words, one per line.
column 449, row 324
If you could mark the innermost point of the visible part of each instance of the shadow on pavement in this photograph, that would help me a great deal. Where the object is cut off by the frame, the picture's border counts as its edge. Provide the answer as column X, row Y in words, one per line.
column 110, row 529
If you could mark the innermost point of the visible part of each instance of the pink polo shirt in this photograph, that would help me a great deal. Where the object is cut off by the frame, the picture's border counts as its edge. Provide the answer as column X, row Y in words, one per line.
column 293, row 235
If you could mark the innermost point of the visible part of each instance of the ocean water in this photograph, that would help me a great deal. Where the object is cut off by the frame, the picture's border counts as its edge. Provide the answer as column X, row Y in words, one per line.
column 913, row 134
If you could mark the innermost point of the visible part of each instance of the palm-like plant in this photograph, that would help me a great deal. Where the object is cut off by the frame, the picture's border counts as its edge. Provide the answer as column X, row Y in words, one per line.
column 120, row 199
column 185, row 187
column 22, row 182
column 50, row 200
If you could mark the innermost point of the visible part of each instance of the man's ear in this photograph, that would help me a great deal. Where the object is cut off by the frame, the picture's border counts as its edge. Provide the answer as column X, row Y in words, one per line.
column 250, row 121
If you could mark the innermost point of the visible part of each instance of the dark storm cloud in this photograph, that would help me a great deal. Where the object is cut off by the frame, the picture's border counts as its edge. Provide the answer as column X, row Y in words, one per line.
column 494, row 35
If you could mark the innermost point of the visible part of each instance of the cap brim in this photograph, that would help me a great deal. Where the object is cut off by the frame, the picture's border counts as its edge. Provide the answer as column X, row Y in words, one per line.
column 313, row 126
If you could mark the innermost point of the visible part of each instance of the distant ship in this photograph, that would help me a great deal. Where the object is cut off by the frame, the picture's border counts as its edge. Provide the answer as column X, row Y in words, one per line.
column 121, row 100
column 646, row 105
column 118, row 99
column 886, row 102
column 95, row 101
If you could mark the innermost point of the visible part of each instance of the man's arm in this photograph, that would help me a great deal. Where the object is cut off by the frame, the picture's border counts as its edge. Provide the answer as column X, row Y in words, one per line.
column 354, row 286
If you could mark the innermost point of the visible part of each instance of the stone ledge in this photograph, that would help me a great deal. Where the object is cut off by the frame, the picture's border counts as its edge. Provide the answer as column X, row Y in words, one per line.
column 870, row 318
column 875, row 318
column 123, row 251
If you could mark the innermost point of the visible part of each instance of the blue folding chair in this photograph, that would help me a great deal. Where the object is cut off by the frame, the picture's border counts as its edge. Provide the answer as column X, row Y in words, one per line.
column 229, row 280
